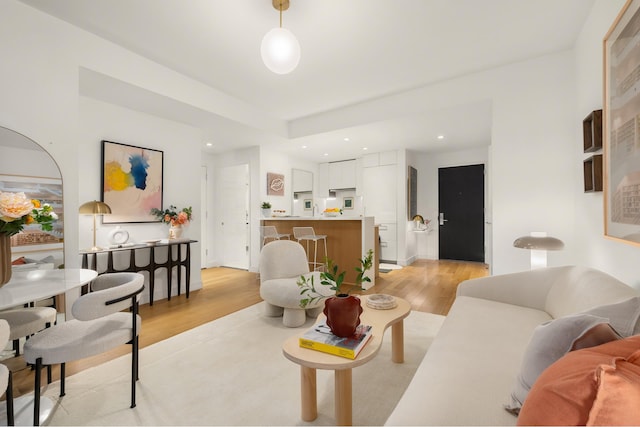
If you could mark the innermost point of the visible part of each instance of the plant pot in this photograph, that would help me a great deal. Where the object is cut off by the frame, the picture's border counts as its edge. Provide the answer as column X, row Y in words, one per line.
column 266, row 213
column 5, row 258
column 343, row 314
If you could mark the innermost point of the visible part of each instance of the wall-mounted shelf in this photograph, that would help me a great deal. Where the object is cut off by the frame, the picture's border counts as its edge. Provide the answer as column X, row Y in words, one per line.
column 592, row 131
column 593, row 173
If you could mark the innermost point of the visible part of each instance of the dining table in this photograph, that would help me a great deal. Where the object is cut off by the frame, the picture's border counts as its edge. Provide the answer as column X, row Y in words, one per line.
column 34, row 285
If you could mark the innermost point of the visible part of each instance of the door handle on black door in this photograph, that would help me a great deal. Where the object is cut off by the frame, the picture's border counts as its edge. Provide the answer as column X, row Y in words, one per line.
column 441, row 218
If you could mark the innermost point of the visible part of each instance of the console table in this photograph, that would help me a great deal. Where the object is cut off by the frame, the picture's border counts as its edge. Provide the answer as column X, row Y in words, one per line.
column 90, row 260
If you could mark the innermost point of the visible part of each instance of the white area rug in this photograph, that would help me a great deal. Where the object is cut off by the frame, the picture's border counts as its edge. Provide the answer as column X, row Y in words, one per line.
column 232, row 372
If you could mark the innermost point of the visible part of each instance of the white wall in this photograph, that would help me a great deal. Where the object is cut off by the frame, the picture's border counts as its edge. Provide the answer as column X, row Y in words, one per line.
column 592, row 248
column 98, row 121
column 41, row 99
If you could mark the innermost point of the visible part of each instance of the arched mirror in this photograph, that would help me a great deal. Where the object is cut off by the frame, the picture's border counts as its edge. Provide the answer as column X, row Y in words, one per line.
column 26, row 167
column 302, row 189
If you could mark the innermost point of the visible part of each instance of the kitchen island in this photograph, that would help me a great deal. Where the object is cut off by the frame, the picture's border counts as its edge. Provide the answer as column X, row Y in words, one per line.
column 348, row 240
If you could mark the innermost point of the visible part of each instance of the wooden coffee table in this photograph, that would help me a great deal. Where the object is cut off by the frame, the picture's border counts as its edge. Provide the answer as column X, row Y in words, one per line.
column 311, row 360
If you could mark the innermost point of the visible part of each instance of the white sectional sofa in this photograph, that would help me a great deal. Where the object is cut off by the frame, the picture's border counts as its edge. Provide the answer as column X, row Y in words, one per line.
column 468, row 373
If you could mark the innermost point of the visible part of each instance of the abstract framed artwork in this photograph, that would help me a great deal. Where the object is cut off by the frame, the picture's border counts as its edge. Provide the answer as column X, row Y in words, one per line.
column 275, row 184
column 621, row 126
column 131, row 182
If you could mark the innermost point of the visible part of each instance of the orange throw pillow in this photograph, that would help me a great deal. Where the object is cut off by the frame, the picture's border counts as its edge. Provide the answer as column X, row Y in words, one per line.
column 565, row 392
column 618, row 398
column 19, row 261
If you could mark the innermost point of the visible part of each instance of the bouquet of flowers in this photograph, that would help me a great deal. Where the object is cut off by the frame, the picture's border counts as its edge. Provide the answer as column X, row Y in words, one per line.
column 172, row 215
column 16, row 211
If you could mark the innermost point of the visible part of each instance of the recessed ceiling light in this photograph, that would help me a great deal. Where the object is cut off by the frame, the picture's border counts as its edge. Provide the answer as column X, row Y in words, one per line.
column 440, row 136
column 346, row 139
column 209, row 144
column 365, row 148
column 304, row 146
column 325, row 154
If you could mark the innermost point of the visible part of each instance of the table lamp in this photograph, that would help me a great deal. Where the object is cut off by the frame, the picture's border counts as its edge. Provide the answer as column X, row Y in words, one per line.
column 95, row 208
column 538, row 243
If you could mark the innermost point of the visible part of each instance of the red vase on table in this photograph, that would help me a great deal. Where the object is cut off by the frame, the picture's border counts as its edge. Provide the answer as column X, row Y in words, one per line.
column 343, row 314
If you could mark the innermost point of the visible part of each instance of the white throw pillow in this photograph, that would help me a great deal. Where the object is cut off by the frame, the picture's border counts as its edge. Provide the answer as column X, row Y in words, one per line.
column 550, row 341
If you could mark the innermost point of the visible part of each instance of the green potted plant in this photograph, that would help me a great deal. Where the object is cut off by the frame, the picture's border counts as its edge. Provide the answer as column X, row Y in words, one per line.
column 342, row 310
column 266, row 209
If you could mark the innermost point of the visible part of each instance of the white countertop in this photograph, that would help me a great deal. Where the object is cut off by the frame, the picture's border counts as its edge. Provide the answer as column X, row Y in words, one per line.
column 314, row 218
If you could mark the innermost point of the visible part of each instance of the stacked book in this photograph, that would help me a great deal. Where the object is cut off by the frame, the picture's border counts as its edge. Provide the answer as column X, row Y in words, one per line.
column 320, row 338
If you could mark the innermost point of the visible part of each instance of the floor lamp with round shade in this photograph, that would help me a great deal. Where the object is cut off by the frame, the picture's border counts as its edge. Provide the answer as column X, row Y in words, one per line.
column 95, row 208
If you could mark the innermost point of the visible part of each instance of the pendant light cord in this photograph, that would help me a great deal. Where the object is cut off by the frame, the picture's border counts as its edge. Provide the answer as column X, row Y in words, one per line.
column 280, row 13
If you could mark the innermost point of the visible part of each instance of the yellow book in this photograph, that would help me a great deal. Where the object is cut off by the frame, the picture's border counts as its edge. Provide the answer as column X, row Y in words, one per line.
column 320, row 338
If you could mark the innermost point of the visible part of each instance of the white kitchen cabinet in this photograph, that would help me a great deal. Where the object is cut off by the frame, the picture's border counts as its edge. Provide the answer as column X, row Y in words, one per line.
column 371, row 160
column 379, row 199
column 388, row 241
column 379, row 193
column 323, row 180
column 342, row 175
column 302, row 181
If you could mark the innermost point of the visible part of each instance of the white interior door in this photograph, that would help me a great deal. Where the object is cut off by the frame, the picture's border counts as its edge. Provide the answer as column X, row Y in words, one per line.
column 234, row 215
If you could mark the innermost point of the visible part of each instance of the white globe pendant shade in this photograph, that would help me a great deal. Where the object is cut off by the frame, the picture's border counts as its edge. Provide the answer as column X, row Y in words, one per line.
column 280, row 51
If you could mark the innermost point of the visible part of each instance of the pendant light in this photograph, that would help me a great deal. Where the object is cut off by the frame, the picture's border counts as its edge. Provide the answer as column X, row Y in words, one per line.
column 280, row 49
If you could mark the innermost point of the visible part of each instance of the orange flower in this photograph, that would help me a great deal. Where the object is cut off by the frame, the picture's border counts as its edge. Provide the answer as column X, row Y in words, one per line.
column 36, row 203
column 29, row 219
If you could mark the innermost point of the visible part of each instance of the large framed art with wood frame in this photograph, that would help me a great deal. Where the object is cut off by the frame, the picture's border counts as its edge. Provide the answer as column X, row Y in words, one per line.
column 131, row 182
column 621, row 126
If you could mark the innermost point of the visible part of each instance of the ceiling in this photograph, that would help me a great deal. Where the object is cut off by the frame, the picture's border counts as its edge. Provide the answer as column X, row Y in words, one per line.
column 352, row 52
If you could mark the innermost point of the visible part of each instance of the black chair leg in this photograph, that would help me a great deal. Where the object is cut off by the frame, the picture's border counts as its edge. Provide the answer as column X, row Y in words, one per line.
column 134, row 370
column 16, row 347
column 62, row 376
column 36, row 392
column 9, row 396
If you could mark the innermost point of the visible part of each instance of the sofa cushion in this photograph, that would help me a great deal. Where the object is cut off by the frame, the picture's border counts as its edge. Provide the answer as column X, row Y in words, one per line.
column 549, row 342
column 565, row 393
column 474, row 358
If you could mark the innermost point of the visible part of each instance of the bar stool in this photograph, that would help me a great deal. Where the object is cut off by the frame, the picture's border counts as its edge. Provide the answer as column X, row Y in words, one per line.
column 308, row 234
column 270, row 232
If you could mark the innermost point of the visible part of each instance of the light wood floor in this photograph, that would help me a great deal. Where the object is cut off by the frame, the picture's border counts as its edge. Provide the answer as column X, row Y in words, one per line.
column 429, row 286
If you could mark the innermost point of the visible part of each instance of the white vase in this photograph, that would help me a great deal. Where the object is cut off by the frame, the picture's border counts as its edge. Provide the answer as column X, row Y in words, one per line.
column 175, row 231
column 266, row 213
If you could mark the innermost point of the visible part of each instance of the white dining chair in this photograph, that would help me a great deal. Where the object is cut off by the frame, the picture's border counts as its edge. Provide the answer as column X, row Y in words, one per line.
column 26, row 321
column 308, row 234
column 6, row 380
column 99, row 324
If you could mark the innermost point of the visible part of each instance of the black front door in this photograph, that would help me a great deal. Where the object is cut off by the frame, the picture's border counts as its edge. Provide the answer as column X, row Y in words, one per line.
column 461, row 207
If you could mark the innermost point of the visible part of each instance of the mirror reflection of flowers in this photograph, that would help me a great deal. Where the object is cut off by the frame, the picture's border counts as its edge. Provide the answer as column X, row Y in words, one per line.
column 16, row 211
column 172, row 215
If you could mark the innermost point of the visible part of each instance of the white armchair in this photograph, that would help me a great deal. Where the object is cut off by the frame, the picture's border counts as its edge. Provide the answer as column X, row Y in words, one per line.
column 282, row 262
